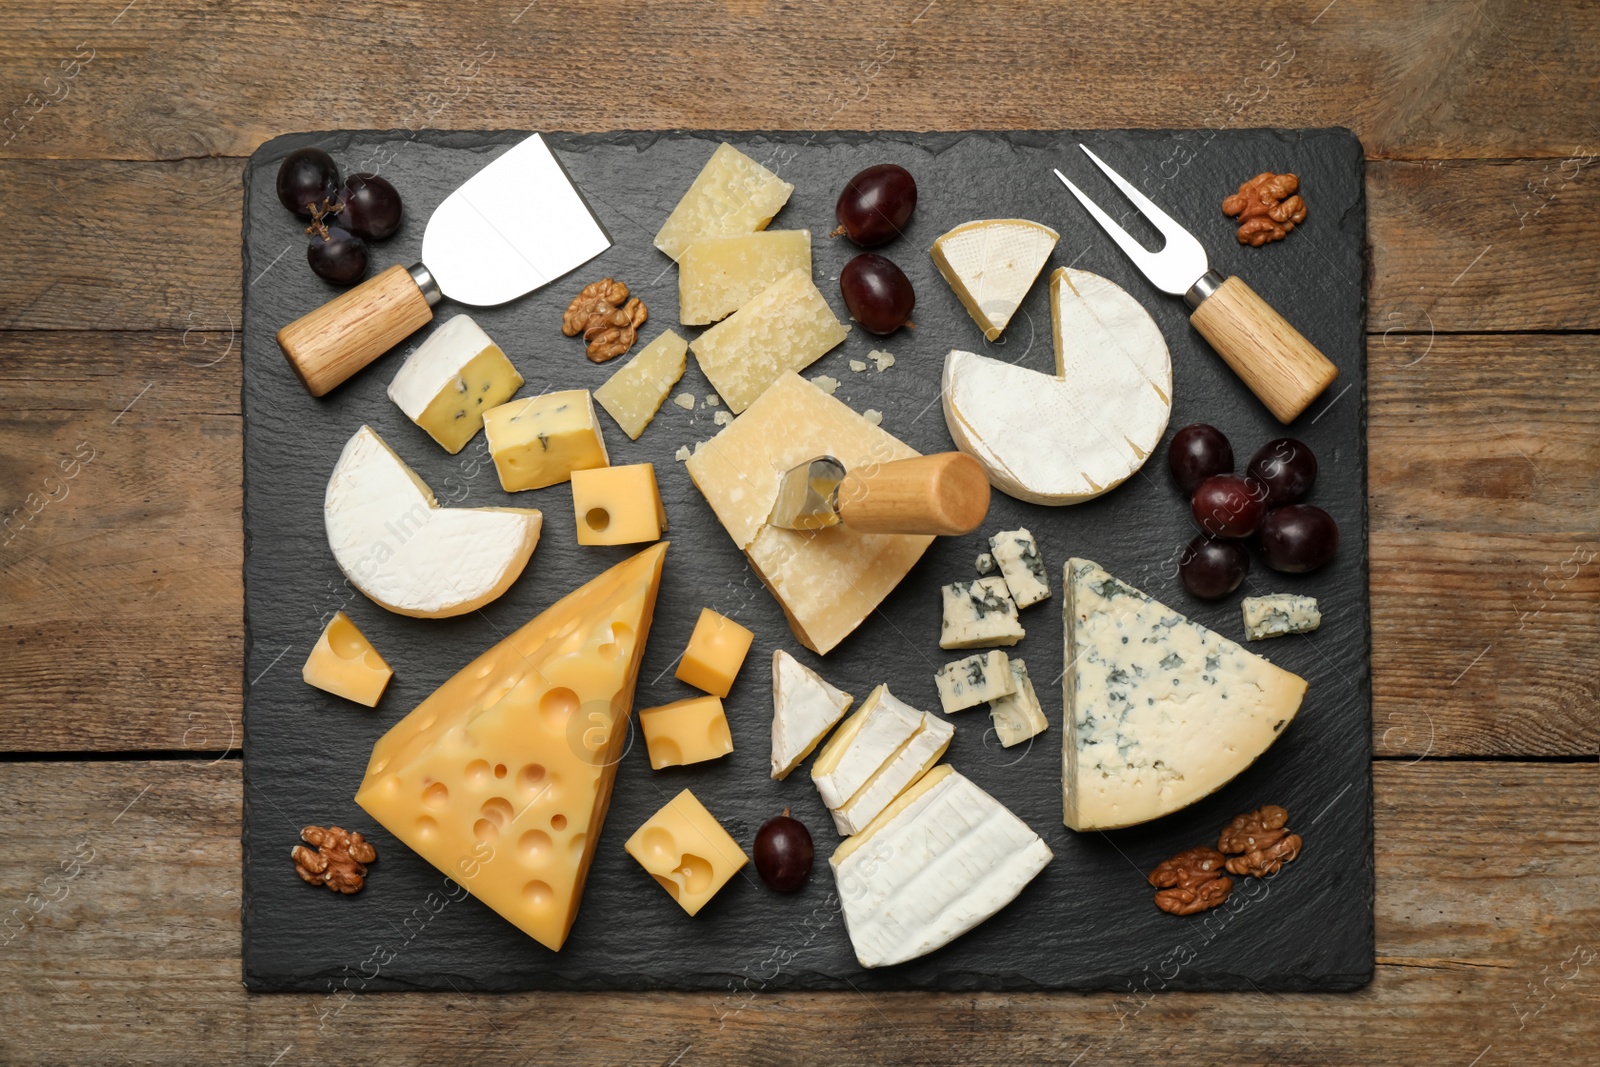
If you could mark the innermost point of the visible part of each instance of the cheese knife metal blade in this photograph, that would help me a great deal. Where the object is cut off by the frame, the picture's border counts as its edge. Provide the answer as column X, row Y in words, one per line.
column 942, row 494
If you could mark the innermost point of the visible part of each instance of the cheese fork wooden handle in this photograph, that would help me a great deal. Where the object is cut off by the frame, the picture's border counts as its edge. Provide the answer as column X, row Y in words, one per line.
column 944, row 494
column 1279, row 365
column 329, row 344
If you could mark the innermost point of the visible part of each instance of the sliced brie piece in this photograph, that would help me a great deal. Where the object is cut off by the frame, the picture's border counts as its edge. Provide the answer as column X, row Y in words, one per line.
column 1160, row 711
column 1279, row 614
column 452, row 378
column 1068, row 437
column 966, row 683
column 941, row 859
column 1017, row 554
column 865, row 742
column 979, row 613
column 913, row 759
column 804, row 709
column 991, row 265
column 1018, row 716
column 399, row 547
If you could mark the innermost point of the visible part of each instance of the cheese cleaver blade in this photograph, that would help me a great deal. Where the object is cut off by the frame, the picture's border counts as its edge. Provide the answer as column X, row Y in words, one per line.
column 513, row 227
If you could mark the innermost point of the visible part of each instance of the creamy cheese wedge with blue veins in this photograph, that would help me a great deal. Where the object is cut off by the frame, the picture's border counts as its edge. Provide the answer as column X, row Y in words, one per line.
column 804, row 708
column 1160, row 711
column 944, row 857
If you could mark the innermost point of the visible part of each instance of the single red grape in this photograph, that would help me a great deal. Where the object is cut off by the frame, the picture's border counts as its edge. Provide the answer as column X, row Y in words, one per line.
column 876, row 205
column 1286, row 467
column 1211, row 568
column 877, row 292
column 371, row 207
column 783, row 853
column 1196, row 453
column 1298, row 537
column 339, row 257
column 306, row 178
column 1226, row 505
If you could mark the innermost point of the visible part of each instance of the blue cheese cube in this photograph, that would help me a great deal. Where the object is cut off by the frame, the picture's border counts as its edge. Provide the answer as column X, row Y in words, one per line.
column 1279, row 614
column 985, row 563
column 1017, row 554
column 966, row 683
column 979, row 613
column 1018, row 716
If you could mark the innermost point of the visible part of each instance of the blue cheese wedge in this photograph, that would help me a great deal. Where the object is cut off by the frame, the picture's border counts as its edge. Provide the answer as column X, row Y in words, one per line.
column 452, row 378
column 804, row 709
column 941, row 859
column 1279, row 614
column 1017, row 554
column 1018, row 716
column 862, row 745
column 1160, row 711
column 979, row 613
column 966, row 683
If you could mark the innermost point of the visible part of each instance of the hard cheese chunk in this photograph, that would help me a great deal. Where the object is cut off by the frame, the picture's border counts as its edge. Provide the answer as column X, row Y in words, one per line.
column 686, row 731
column 902, row 770
column 716, row 651
column 827, row 581
column 687, row 851
column 1017, row 555
column 540, row 440
column 717, row 275
column 804, row 708
column 1278, row 614
column 1160, row 711
column 1018, row 716
column 618, row 505
column 786, row 327
column 731, row 194
column 635, row 393
column 979, row 613
column 502, row 777
column 453, row 377
column 867, row 740
column 344, row 663
column 991, row 264
column 966, row 683
column 941, row 859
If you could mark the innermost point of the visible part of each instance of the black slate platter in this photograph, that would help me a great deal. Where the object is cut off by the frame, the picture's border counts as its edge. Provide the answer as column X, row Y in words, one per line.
column 1087, row 922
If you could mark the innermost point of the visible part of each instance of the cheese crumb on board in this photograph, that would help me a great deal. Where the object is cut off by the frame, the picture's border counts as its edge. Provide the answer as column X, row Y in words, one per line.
column 873, row 415
column 1279, row 614
column 985, row 563
column 884, row 360
column 712, row 400
column 684, row 401
column 722, row 418
column 826, row 384
column 858, row 365
column 682, row 454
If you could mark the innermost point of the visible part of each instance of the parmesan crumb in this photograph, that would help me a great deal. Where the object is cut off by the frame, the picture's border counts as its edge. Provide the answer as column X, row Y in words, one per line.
column 722, row 418
column 858, row 365
column 684, row 401
column 682, row 453
column 712, row 400
column 873, row 415
column 884, row 360
column 826, row 384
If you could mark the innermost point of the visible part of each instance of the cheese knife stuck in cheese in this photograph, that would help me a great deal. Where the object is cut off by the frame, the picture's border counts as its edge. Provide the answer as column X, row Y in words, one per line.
column 1279, row 365
column 513, row 227
column 945, row 494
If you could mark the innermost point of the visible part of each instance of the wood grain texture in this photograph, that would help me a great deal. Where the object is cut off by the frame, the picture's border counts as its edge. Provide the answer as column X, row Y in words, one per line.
column 1281, row 367
column 1486, row 937
column 328, row 344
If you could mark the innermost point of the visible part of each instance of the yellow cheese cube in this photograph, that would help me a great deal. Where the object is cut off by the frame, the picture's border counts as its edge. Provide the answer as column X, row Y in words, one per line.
column 540, row 440
column 718, row 274
column 452, row 378
column 731, row 194
column 686, row 731
column 786, row 327
column 618, row 505
column 687, row 851
column 635, row 393
column 716, row 652
column 344, row 663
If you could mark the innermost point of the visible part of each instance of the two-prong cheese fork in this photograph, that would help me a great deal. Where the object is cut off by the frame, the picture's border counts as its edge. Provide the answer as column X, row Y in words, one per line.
column 1279, row 365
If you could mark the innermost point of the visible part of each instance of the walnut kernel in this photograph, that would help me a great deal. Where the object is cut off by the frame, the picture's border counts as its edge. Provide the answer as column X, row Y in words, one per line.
column 1259, row 842
column 607, row 318
column 1192, row 881
column 1267, row 208
column 339, row 861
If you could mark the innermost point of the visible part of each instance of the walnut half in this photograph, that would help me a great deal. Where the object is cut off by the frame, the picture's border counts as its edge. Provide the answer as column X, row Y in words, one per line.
column 606, row 317
column 1191, row 882
column 339, row 861
column 1267, row 208
column 1259, row 842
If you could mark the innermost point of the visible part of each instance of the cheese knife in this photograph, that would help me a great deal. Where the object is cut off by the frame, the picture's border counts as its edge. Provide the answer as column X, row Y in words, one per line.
column 944, row 494
column 1280, row 366
column 516, row 225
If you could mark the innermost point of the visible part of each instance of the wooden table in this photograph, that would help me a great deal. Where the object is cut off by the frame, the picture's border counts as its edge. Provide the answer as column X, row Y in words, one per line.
column 120, row 544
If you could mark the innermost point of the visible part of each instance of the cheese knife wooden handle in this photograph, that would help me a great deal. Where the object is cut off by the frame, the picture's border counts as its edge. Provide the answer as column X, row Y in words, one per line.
column 1278, row 364
column 943, row 494
column 329, row 344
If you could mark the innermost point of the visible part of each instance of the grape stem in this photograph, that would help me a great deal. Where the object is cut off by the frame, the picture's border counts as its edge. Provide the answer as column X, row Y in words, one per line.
column 838, row 231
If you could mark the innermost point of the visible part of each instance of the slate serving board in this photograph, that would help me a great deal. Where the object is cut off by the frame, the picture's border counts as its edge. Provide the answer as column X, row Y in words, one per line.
column 1087, row 922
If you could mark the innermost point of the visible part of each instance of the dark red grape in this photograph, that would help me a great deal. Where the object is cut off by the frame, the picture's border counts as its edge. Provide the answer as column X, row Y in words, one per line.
column 1286, row 467
column 876, row 205
column 306, row 178
column 371, row 207
column 1225, row 505
column 783, row 853
column 1211, row 568
column 1298, row 538
column 877, row 292
column 1196, row 453
column 340, row 257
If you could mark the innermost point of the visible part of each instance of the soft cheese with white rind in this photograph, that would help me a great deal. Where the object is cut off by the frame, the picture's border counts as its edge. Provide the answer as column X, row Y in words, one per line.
column 944, row 857
column 1068, row 437
column 452, row 378
column 991, row 264
column 865, row 742
column 913, row 759
column 731, row 194
column 804, row 708
column 399, row 547
column 1160, row 711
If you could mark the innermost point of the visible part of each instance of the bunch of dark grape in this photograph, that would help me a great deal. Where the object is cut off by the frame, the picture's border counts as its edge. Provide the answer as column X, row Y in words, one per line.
column 344, row 216
column 872, row 211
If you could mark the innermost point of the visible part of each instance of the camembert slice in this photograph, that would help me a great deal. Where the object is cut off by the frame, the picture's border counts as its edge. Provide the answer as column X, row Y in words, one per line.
column 991, row 264
column 731, row 194
column 867, row 740
column 902, row 770
column 804, row 708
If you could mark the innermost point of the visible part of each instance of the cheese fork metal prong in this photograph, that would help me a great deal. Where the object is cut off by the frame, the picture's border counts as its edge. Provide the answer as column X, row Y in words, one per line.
column 1279, row 365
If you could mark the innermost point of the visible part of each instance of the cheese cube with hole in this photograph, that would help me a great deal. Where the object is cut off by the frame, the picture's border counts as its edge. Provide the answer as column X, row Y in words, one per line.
column 716, row 651
column 540, row 440
column 901, row 771
column 731, row 194
column 453, row 377
column 966, row 683
column 1279, row 614
column 685, row 732
column 717, row 275
column 991, row 264
column 618, row 505
column 344, row 663
column 687, row 851
column 863, row 744
column 804, row 709
column 786, row 327
column 1017, row 555
column 634, row 394
column 1018, row 716
column 979, row 613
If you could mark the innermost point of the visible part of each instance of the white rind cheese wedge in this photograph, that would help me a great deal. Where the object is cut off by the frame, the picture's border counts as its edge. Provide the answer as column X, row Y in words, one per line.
column 991, row 264
column 731, row 194
column 1160, row 711
column 1070, row 437
column 1018, row 716
column 941, row 859
column 804, row 708
column 452, row 378
column 865, row 742
column 914, row 759
column 1278, row 615
column 634, row 394
column 400, row 548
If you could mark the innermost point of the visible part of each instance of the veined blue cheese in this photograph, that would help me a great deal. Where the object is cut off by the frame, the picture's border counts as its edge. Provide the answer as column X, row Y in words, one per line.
column 966, row 683
column 1160, row 711
column 985, row 563
column 1017, row 554
column 1018, row 716
column 979, row 613
column 1279, row 614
